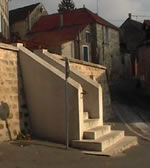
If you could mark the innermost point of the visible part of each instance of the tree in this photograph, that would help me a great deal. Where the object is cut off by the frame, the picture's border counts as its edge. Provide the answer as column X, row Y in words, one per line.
column 66, row 5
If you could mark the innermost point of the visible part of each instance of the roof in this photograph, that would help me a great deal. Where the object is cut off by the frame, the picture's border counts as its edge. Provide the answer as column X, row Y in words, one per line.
column 63, row 35
column 131, row 34
column 21, row 13
column 73, row 22
column 133, row 23
column 73, row 17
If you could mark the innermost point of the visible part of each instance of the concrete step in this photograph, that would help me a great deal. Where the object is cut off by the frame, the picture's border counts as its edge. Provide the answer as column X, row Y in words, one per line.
column 97, row 132
column 90, row 123
column 101, row 143
column 86, row 115
column 122, row 145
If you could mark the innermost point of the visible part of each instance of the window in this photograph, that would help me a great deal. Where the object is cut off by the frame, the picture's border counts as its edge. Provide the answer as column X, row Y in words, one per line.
column 106, row 35
column 88, row 37
column 85, row 53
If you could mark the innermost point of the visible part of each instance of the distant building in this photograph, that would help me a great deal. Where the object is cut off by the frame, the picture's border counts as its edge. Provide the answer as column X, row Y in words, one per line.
column 22, row 20
column 79, row 34
column 146, row 27
column 144, row 57
column 131, row 35
column 4, row 22
column 144, row 63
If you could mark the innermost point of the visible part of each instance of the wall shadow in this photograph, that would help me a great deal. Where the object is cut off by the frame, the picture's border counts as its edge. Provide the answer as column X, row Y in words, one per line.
column 25, row 126
column 4, row 114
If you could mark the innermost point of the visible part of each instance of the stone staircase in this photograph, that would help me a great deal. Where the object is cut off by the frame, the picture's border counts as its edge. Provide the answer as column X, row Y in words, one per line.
column 96, row 137
column 101, row 139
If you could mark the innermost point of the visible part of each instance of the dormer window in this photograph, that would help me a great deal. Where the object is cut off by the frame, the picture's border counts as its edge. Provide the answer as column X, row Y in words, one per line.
column 88, row 37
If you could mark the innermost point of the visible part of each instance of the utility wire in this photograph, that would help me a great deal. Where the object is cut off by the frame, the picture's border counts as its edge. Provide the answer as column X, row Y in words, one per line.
column 140, row 16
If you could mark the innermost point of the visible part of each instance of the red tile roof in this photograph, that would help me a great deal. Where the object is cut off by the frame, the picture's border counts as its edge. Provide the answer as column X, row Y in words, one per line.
column 56, row 36
column 47, row 31
column 74, row 17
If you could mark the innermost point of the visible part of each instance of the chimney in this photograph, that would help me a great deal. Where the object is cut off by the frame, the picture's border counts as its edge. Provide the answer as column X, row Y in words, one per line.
column 61, row 20
column 130, row 15
column 83, row 5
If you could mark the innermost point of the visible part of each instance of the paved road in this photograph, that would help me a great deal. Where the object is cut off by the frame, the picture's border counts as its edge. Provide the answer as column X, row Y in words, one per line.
column 125, row 92
column 48, row 155
column 132, row 104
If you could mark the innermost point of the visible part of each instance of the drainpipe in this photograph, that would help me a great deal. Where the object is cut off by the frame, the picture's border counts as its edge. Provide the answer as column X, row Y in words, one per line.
column 78, row 43
column 103, row 45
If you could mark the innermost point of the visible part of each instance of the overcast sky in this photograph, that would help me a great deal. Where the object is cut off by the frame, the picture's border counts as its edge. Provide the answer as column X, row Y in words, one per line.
column 115, row 11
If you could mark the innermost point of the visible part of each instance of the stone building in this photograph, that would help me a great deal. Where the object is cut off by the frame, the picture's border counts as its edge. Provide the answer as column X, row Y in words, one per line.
column 22, row 20
column 144, row 57
column 144, row 64
column 78, row 34
column 131, row 35
column 4, row 22
column 146, row 28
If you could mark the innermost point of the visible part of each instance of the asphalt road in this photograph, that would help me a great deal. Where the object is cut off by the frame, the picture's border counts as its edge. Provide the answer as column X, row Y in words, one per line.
column 132, row 104
column 125, row 92
column 39, row 154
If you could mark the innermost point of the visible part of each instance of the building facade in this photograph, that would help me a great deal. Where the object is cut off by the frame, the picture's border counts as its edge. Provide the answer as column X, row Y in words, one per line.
column 132, row 35
column 23, row 19
column 4, row 21
column 143, row 59
column 144, row 64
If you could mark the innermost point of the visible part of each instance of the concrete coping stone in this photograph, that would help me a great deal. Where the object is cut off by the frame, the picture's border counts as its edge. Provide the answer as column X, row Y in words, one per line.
column 92, row 82
column 48, row 66
column 86, row 63
column 8, row 47
column 78, row 61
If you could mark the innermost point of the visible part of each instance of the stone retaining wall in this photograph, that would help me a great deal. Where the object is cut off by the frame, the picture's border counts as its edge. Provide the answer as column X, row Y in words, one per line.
column 11, row 94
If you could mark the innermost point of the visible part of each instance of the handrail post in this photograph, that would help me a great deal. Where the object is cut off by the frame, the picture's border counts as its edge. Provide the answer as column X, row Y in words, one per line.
column 67, row 71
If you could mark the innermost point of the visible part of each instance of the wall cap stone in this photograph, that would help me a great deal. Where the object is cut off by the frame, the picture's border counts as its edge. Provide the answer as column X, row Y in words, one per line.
column 87, row 63
column 76, row 60
column 8, row 47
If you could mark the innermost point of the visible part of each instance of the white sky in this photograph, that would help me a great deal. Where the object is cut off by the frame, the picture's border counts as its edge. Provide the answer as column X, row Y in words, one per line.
column 115, row 11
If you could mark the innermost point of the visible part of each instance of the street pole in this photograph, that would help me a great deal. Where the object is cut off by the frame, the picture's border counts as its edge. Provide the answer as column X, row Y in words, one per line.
column 67, row 101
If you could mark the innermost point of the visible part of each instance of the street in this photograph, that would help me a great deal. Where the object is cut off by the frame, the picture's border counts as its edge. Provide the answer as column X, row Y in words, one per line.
column 132, row 105
column 39, row 154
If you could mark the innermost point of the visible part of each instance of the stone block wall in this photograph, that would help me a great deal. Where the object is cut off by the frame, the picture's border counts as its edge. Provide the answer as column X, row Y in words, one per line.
column 4, row 15
column 11, row 94
column 110, row 50
column 98, row 73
